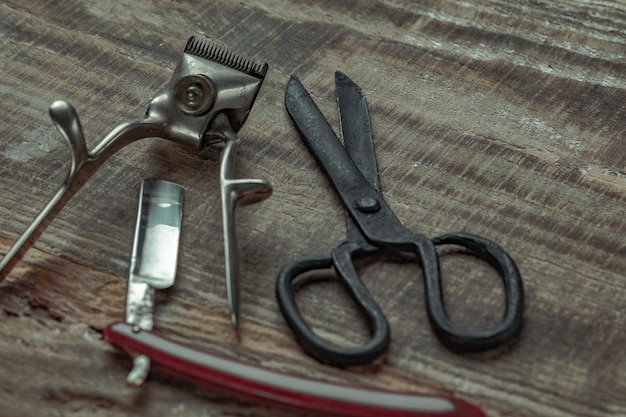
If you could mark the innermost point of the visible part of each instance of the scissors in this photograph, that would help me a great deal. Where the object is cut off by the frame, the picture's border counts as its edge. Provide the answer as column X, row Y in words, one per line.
column 371, row 226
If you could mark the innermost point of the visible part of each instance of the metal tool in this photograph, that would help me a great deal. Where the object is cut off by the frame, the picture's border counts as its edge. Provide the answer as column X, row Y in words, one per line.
column 207, row 99
column 371, row 225
column 153, row 266
column 153, row 260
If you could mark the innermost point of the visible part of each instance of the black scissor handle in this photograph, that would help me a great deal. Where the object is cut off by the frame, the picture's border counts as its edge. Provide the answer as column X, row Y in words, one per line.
column 315, row 346
column 446, row 330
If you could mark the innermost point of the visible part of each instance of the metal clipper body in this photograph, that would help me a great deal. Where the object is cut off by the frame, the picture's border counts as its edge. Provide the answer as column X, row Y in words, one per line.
column 207, row 99
column 208, row 81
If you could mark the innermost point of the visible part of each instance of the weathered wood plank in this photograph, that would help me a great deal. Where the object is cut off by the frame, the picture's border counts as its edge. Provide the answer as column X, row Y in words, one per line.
column 504, row 119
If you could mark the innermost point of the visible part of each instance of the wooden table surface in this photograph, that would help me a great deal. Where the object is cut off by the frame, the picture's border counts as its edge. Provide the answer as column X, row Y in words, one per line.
column 503, row 119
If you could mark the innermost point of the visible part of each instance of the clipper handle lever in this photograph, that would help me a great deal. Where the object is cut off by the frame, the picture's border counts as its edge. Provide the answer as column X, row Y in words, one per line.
column 83, row 165
column 234, row 193
column 66, row 120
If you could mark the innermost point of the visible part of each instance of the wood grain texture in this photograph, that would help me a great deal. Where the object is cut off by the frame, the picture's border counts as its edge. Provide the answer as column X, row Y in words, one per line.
column 504, row 119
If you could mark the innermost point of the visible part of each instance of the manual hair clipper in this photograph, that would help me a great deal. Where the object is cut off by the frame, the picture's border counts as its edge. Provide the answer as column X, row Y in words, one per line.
column 207, row 99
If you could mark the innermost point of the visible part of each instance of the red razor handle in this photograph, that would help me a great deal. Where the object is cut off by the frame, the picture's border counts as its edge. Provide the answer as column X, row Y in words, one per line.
column 278, row 389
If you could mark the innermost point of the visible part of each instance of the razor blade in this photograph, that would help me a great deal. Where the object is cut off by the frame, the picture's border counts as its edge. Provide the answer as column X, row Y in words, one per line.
column 153, row 259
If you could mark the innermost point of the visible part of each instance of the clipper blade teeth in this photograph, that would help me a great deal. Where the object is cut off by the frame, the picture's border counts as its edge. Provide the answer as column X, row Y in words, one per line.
column 206, row 49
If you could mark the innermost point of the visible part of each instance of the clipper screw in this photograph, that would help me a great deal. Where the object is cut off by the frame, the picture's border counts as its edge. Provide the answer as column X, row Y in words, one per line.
column 194, row 94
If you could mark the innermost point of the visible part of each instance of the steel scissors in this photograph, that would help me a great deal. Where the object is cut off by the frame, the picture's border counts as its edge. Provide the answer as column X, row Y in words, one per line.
column 371, row 225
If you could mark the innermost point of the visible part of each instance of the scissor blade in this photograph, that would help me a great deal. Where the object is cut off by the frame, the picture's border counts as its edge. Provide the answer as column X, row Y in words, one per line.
column 356, row 128
column 357, row 138
column 365, row 204
column 321, row 139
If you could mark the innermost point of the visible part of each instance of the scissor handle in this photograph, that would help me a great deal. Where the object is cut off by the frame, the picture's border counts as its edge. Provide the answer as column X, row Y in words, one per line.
column 449, row 334
column 323, row 351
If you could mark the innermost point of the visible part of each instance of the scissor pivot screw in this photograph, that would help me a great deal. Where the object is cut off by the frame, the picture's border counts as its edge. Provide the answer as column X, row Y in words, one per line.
column 194, row 94
column 368, row 205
